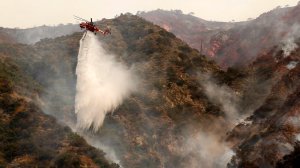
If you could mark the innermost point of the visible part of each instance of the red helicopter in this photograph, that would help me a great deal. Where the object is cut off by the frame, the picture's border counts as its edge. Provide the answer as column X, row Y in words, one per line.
column 90, row 26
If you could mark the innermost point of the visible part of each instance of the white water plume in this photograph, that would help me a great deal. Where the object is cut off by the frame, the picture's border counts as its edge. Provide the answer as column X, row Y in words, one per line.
column 102, row 83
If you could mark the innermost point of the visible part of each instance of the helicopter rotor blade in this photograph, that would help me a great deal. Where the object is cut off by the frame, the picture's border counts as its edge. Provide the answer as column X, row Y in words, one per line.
column 79, row 18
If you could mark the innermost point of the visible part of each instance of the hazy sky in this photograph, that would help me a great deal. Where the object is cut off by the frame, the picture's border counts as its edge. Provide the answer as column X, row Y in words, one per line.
column 28, row 13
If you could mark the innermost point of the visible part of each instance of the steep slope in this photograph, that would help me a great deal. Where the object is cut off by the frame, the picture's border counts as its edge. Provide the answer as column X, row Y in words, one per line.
column 232, row 44
column 151, row 128
column 152, row 123
column 184, row 106
column 28, row 137
column 195, row 31
column 269, row 137
column 176, row 108
column 242, row 44
column 5, row 37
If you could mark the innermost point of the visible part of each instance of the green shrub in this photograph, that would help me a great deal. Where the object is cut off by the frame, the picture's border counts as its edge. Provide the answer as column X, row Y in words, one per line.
column 67, row 160
column 76, row 140
column 5, row 86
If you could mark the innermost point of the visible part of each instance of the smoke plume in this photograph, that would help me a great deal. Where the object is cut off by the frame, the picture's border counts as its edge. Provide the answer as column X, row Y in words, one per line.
column 207, row 150
column 207, row 147
column 288, row 43
column 289, row 46
column 102, row 83
column 223, row 96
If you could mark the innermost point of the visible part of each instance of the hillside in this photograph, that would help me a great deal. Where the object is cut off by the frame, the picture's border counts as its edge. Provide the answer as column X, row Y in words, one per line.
column 28, row 137
column 195, row 31
column 231, row 44
column 265, row 91
column 186, row 111
column 167, row 68
column 169, row 102
column 272, row 130
column 244, row 43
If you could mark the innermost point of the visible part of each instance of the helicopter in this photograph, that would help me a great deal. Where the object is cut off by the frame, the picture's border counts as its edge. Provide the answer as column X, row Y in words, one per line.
column 90, row 26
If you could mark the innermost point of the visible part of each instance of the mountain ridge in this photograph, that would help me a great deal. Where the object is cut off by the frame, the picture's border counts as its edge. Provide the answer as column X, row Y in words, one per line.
column 186, row 107
column 236, row 45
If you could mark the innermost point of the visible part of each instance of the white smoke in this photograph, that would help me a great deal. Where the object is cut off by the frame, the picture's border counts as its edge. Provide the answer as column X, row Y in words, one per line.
column 288, row 41
column 208, row 150
column 223, row 96
column 289, row 46
column 292, row 65
column 208, row 147
column 297, row 137
column 110, row 153
column 102, row 83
